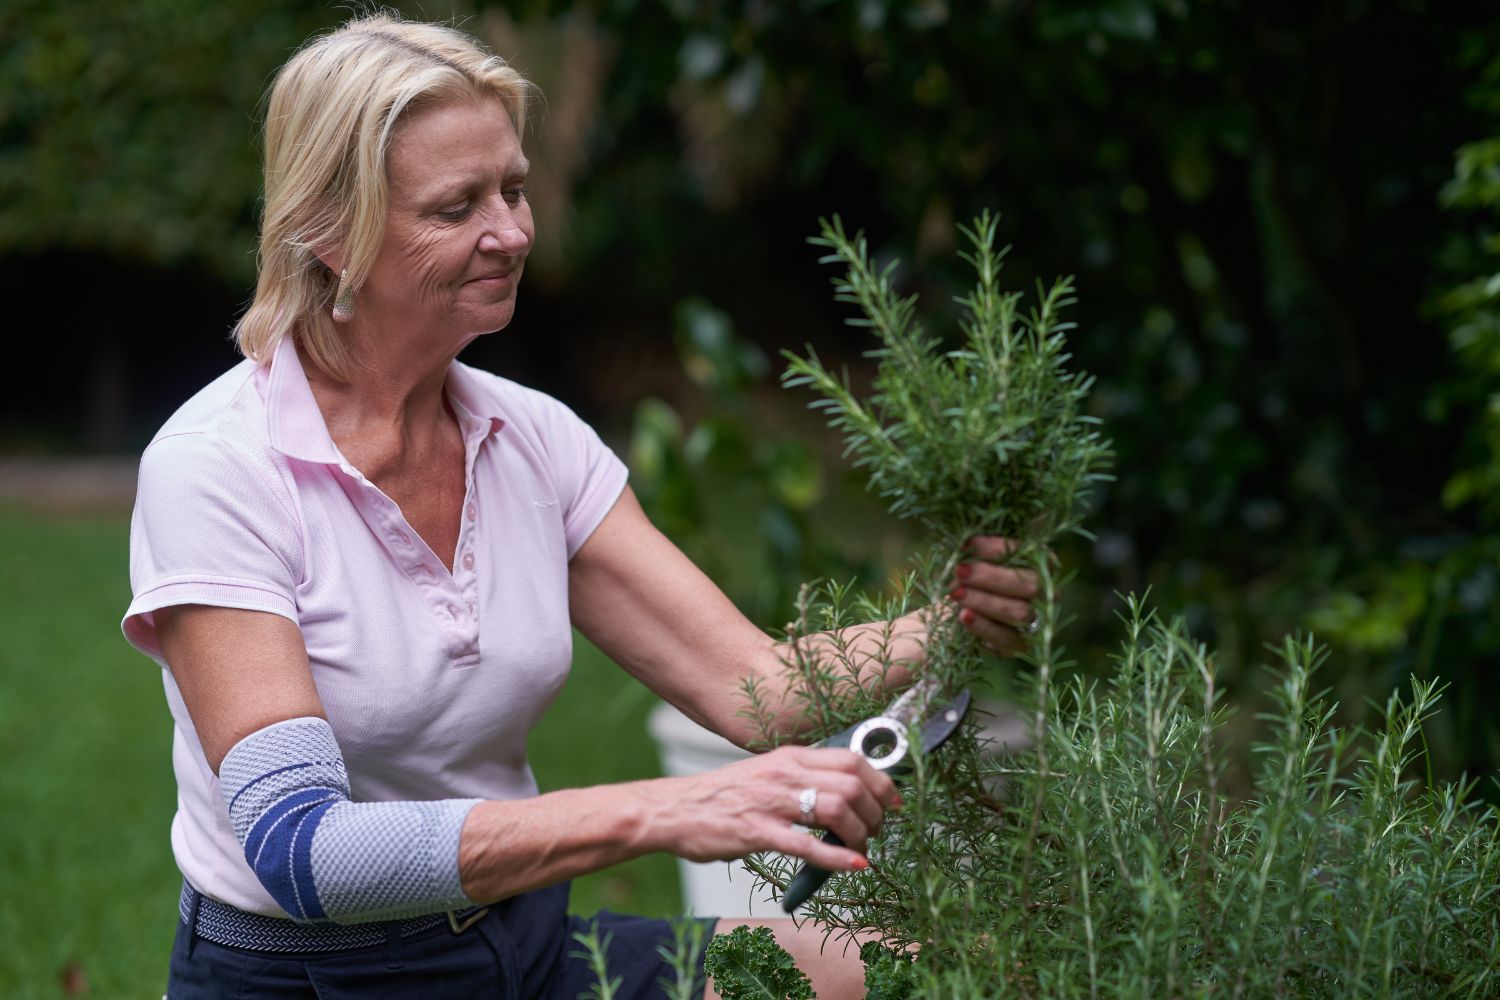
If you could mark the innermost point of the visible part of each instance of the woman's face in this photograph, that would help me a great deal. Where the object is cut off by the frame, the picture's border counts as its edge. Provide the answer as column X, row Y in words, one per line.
column 458, row 226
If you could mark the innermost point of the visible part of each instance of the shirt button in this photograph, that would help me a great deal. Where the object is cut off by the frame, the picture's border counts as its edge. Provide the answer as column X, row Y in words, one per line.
column 473, row 512
column 468, row 560
column 472, row 612
column 453, row 610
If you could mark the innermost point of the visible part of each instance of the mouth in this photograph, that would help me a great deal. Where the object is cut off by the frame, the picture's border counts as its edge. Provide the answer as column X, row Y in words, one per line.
column 495, row 280
column 492, row 280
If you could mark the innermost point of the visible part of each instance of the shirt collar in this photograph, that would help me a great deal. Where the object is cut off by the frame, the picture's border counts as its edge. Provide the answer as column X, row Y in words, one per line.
column 476, row 409
column 293, row 420
column 297, row 428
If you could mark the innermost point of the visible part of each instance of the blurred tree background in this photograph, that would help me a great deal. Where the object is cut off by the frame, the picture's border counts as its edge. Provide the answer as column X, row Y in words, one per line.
column 1283, row 219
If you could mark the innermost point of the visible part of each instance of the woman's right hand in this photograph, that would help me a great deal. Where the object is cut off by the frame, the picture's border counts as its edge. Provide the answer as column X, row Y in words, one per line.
column 751, row 805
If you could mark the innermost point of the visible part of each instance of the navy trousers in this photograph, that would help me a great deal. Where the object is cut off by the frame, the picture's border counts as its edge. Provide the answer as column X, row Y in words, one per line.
column 521, row 949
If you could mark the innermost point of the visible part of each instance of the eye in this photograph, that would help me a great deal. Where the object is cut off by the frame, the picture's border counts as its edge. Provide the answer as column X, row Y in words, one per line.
column 514, row 195
column 454, row 212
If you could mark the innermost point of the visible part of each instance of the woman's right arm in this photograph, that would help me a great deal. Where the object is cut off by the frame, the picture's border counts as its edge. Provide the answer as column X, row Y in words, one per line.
column 240, row 672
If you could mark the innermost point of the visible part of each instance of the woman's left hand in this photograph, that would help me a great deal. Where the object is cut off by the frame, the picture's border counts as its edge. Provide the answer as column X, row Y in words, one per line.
column 993, row 601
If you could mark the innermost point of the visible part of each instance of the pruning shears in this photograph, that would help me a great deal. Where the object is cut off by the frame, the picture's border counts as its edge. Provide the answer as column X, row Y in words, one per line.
column 885, row 741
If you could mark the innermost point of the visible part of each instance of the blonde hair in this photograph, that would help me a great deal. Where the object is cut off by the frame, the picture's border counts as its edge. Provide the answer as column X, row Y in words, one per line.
column 332, row 111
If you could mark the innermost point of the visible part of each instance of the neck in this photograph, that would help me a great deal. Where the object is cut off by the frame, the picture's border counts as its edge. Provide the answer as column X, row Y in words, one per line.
column 393, row 395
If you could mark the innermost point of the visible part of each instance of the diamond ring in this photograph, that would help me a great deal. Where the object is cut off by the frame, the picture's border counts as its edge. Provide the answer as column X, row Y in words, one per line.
column 807, row 801
column 1031, row 627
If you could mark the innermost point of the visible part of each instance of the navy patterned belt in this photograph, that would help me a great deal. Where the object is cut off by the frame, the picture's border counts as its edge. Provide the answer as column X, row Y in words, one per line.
column 228, row 925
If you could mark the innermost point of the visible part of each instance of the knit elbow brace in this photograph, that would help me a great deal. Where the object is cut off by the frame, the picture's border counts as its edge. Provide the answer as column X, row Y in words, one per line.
column 323, row 857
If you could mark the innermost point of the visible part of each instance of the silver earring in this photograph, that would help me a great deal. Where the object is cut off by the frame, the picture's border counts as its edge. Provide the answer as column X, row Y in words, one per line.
column 343, row 302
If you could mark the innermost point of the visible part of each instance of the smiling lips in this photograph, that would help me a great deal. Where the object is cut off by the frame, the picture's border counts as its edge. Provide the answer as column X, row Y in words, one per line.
column 493, row 277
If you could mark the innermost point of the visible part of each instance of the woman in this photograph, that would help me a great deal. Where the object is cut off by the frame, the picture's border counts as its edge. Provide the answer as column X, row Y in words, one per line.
column 359, row 562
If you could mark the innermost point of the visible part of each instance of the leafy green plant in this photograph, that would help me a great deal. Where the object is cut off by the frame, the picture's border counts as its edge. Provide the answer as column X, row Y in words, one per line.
column 685, row 980
column 706, row 468
column 1108, row 860
column 748, row 964
column 1423, row 602
column 889, row 974
column 989, row 438
column 595, row 950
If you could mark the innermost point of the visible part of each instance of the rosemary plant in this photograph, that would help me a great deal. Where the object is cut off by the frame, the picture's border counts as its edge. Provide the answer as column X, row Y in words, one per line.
column 1107, row 860
column 595, row 950
column 685, row 979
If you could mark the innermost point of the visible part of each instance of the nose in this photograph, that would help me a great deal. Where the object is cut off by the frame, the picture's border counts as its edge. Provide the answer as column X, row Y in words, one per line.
column 505, row 234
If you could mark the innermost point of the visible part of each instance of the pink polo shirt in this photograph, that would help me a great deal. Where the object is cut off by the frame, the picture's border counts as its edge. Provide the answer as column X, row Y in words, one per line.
column 431, row 679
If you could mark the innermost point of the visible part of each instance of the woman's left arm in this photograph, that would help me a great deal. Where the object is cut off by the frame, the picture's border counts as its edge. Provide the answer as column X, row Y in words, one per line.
column 642, row 601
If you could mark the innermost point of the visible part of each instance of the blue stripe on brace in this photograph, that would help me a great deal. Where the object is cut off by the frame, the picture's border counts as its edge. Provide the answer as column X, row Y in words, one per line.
column 301, row 861
column 271, row 850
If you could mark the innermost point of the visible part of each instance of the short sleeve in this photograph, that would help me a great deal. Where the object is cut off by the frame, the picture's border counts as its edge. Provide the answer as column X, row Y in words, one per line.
column 587, row 475
column 212, row 525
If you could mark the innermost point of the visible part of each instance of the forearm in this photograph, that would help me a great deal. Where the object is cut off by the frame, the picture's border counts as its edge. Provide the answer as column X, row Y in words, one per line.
column 511, row 847
column 881, row 655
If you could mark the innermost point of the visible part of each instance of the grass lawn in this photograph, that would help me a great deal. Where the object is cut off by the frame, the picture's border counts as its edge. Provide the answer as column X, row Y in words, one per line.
column 88, row 888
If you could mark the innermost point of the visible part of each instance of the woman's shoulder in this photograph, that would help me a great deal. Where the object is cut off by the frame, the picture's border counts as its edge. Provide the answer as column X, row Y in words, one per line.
column 217, row 443
column 224, row 408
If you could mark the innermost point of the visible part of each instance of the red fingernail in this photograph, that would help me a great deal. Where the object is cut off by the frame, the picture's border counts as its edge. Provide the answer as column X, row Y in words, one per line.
column 966, row 616
column 898, row 802
column 859, row 865
column 958, row 593
column 963, row 570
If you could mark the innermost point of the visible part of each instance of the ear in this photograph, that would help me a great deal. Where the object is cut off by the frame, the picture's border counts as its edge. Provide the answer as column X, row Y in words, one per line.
column 330, row 256
column 330, row 250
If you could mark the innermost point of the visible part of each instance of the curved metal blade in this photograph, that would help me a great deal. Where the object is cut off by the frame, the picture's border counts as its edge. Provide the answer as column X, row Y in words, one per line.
column 944, row 722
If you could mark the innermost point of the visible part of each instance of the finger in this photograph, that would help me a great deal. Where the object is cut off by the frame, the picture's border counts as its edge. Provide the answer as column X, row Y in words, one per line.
column 839, row 816
column 1005, row 610
column 991, row 548
column 1008, row 581
column 879, row 783
column 812, row 849
column 832, row 758
column 845, row 803
column 997, row 638
column 847, row 799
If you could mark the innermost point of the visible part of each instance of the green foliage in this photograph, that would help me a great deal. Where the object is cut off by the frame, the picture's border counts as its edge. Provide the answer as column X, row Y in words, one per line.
column 595, row 951
column 1471, row 312
column 988, row 438
column 703, row 479
column 684, row 981
column 1110, row 860
column 889, row 975
column 1002, row 415
column 748, row 964
column 127, row 128
column 1419, row 605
